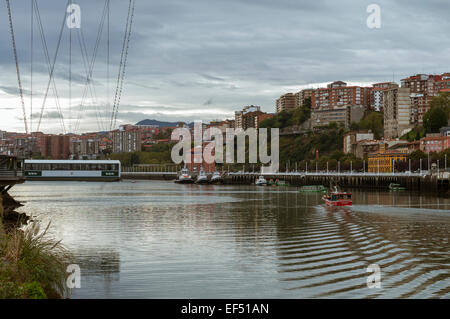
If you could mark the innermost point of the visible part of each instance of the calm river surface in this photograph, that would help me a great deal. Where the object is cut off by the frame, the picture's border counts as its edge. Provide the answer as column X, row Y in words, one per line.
column 153, row 239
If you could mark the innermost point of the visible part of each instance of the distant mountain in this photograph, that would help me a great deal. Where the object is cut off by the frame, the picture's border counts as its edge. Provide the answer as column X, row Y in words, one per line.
column 156, row 122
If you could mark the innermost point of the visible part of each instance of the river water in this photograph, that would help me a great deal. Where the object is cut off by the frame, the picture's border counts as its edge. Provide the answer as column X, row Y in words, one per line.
column 154, row 239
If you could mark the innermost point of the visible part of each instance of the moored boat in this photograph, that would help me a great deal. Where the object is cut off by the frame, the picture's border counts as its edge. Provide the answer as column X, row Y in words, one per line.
column 281, row 183
column 184, row 177
column 216, row 178
column 338, row 199
column 261, row 181
column 202, row 178
column 396, row 187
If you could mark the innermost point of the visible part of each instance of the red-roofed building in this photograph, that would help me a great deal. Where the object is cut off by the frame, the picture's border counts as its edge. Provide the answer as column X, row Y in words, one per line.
column 338, row 94
column 435, row 144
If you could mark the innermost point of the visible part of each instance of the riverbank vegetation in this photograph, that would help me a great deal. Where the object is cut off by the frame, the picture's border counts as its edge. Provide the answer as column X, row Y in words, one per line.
column 32, row 264
column 156, row 154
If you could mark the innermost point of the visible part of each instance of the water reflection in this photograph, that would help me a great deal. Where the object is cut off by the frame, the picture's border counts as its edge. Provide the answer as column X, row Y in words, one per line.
column 162, row 240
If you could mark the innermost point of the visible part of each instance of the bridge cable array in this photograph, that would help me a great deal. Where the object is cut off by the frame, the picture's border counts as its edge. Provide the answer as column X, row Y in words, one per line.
column 88, row 63
column 123, row 62
column 11, row 29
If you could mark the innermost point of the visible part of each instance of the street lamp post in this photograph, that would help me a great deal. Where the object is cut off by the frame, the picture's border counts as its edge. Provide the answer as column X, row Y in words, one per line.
column 327, row 168
column 351, row 167
column 438, row 168
column 339, row 167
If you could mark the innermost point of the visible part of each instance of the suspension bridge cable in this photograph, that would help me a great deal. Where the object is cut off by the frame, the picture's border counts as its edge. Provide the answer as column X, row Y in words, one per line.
column 89, row 86
column 124, row 55
column 91, row 67
column 31, row 65
column 70, row 72
column 120, row 67
column 11, row 28
column 50, row 68
column 124, row 64
column 47, row 57
column 108, row 103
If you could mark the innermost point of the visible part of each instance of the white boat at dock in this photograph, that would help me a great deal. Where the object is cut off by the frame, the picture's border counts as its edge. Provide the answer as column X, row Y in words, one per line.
column 184, row 177
column 202, row 178
column 216, row 178
column 261, row 181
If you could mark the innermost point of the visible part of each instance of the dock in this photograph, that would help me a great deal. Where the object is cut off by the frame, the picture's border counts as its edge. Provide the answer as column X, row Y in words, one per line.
column 411, row 181
column 11, row 172
column 434, row 181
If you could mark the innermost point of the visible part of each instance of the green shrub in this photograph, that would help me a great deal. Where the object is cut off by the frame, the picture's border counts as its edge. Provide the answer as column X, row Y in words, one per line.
column 34, row 291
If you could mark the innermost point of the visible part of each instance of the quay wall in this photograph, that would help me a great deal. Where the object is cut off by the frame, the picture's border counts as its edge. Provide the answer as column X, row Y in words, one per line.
column 425, row 183
column 419, row 183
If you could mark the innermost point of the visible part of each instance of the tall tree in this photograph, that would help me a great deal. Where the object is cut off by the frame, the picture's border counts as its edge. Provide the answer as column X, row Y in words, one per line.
column 434, row 119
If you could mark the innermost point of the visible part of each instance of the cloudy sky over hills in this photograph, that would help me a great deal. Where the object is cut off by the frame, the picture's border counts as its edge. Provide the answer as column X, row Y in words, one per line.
column 204, row 59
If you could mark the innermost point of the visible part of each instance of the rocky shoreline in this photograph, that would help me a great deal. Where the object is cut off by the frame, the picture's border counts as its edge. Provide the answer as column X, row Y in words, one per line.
column 11, row 218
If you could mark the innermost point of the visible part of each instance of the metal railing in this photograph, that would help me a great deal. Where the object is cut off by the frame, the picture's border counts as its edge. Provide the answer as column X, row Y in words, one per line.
column 333, row 173
column 4, row 173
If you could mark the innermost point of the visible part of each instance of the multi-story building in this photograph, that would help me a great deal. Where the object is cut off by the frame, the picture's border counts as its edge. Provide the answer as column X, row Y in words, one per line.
column 126, row 140
column 338, row 94
column 423, row 88
column 261, row 117
column 247, row 117
column 345, row 115
column 85, row 147
column 442, row 84
column 352, row 139
column 286, row 102
column 302, row 96
column 397, row 112
column 377, row 95
column 55, row 146
column 384, row 161
column 434, row 144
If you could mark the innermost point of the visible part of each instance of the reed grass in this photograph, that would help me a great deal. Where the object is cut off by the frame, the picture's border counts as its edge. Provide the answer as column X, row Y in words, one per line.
column 32, row 264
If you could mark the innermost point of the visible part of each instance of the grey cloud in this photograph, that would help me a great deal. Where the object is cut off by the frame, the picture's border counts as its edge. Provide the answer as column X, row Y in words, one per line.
column 238, row 51
column 208, row 102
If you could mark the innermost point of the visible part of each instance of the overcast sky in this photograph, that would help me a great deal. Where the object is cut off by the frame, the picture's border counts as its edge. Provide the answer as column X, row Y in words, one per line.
column 204, row 59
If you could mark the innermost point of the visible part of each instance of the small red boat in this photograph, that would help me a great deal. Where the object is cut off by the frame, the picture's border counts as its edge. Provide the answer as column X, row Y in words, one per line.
column 338, row 199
